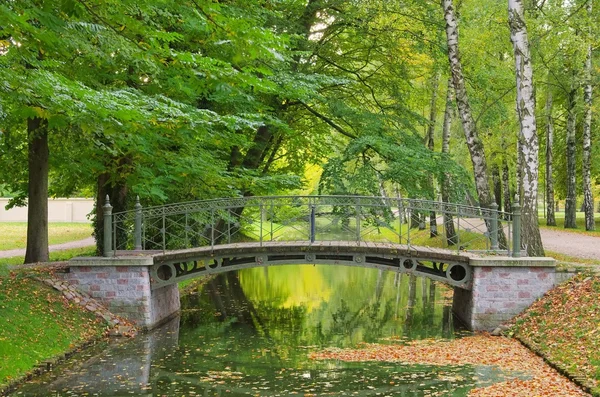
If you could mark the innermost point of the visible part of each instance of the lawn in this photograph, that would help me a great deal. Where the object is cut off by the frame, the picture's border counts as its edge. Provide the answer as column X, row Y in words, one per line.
column 57, row 256
column 37, row 324
column 580, row 220
column 14, row 234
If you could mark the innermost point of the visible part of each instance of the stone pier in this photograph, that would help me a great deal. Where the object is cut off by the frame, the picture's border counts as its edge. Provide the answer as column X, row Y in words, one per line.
column 502, row 287
column 122, row 285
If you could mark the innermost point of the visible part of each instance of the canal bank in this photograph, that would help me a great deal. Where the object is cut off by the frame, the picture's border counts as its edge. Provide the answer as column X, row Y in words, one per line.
column 261, row 325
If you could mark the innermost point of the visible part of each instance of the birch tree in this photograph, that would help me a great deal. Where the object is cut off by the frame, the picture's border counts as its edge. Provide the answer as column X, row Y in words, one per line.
column 529, row 147
column 446, row 185
column 588, row 199
column 550, row 218
column 570, row 201
column 474, row 143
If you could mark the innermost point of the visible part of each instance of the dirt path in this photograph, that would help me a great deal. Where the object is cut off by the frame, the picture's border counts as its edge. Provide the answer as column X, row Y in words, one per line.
column 87, row 242
column 572, row 244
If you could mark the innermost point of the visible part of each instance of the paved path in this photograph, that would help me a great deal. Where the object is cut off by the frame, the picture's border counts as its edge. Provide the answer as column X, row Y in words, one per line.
column 572, row 244
column 87, row 242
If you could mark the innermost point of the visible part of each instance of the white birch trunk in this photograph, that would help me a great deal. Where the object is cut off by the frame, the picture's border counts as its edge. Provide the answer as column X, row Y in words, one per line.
column 550, row 216
column 570, row 201
column 462, row 100
column 529, row 147
column 451, row 238
column 588, row 198
column 430, row 145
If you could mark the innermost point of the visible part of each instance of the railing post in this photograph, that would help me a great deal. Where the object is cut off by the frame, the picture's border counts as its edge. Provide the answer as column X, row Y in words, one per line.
column 313, row 228
column 212, row 228
column 516, row 216
column 262, row 215
column 187, row 228
column 400, row 221
column 358, row 212
column 137, row 232
column 494, row 226
column 108, row 243
column 164, row 230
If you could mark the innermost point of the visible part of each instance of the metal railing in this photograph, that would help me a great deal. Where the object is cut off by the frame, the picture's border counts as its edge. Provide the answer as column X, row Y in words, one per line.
column 311, row 218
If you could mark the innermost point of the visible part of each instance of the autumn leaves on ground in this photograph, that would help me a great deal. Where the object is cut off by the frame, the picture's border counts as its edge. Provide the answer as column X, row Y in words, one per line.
column 564, row 327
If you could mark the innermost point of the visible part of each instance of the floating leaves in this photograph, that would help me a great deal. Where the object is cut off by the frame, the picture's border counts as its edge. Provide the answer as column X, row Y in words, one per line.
column 530, row 375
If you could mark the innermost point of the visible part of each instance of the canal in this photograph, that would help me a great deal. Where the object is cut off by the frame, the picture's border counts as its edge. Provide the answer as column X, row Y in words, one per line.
column 255, row 333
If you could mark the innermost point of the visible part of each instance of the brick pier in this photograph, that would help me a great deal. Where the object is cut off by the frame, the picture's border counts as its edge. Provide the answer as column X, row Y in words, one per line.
column 502, row 287
column 122, row 285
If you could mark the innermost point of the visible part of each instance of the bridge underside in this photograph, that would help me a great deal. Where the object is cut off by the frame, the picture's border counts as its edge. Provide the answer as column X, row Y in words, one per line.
column 438, row 264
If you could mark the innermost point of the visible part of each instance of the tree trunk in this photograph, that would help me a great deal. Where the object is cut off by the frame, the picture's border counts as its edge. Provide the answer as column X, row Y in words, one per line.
column 550, row 217
column 506, row 190
column 476, row 150
column 37, row 206
column 451, row 238
column 571, row 199
column 497, row 183
column 506, row 182
column 588, row 199
column 430, row 145
column 530, row 236
column 117, row 193
column 464, row 109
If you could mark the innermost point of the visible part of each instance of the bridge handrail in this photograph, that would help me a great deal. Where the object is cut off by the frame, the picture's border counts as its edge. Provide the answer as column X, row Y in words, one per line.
column 209, row 216
column 369, row 201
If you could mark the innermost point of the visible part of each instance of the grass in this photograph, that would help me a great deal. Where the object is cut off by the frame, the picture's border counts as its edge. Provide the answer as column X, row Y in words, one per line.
column 579, row 220
column 571, row 260
column 37, row 324
column 14, row 234
column 326, row 231
column 56, row 256
column 564, row 327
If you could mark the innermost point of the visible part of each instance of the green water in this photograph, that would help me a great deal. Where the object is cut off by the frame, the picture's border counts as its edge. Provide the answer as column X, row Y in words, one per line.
column 250, row 333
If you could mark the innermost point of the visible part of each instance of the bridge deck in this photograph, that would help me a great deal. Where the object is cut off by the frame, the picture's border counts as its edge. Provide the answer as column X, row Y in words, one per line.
column 270, row 247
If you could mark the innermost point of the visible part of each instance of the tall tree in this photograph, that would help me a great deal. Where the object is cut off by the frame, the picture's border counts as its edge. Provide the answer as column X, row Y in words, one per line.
column 474, row 143
column 37, row 209
column 571, row 199
column 550, row 217
column 446, row 178
column 529, row 147
column 429, row 140
column 588, row 199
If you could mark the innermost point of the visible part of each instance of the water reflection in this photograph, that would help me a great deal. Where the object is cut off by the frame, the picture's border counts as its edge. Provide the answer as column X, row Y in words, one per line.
column 250, row 333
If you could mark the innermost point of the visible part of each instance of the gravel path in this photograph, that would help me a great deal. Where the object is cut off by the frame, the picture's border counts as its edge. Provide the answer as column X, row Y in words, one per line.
column 572, row 244
column 87, row 242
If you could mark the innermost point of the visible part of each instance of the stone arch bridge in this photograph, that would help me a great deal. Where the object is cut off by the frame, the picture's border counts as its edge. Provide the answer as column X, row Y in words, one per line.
column 148, row 251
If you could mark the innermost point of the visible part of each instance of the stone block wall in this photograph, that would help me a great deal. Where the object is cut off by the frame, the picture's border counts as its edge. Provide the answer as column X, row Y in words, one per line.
column 501, row 289
column 122, row 285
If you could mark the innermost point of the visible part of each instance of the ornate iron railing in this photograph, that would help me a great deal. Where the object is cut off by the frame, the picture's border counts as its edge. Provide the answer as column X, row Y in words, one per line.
column 310, row 218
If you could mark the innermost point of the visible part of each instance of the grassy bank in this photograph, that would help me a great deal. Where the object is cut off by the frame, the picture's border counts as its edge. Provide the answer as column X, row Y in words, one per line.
column 37, row 324
column 14, row 234
column 564, row 327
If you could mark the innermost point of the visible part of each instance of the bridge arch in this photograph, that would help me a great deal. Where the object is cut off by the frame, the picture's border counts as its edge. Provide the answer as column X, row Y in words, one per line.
column 446, row 266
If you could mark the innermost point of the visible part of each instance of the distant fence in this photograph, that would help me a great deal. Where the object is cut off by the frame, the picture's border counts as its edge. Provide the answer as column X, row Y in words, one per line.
column 59, row 210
